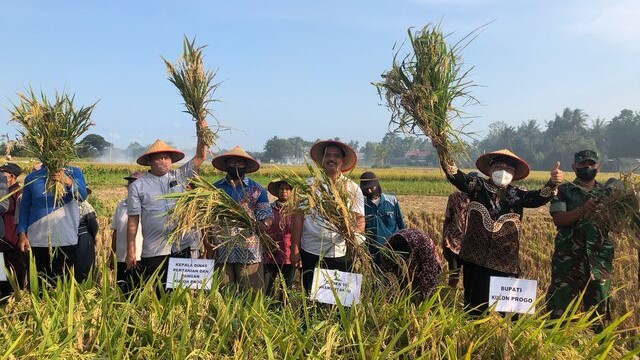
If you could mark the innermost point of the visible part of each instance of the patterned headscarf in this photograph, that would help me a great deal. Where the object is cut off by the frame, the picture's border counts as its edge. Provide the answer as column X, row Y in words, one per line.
column 423, row 261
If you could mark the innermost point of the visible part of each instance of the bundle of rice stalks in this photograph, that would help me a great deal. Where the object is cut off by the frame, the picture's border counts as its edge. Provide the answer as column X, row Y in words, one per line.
column 50, row 131
column 196, row 87
column 427, row 88
column 329, row 203
column 208, row 210
column 619, row 207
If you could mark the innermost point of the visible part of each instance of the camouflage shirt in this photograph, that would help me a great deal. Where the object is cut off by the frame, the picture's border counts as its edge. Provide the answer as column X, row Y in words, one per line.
column 581, row 243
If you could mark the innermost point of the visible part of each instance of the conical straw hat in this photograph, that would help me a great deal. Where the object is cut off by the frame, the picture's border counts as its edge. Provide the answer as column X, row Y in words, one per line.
column 274, row 186
column 157, row 147
column 484, row 162
column 219, row 162
column 348, row 162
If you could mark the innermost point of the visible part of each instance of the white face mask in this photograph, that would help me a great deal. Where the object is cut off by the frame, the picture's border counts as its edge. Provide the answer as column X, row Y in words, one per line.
column 501, row 178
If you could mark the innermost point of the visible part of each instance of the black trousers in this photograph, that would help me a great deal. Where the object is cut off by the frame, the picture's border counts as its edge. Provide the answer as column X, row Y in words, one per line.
column 310, row 262
column 476, row 280
column 85, row 256
column 161, row 264
column 54, row 264
column 16, row 261
column 127, row 279
column 271, row 273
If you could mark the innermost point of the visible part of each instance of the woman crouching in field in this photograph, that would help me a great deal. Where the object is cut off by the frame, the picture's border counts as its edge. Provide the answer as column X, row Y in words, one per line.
column 410, row 256
column 491, row 243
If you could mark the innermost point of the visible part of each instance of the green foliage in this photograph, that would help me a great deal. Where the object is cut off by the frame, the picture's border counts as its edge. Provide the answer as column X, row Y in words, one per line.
column 94, row 319
column 92, row 145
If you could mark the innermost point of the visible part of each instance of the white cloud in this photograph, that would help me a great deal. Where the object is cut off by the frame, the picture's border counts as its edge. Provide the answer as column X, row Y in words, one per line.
column 616, row 22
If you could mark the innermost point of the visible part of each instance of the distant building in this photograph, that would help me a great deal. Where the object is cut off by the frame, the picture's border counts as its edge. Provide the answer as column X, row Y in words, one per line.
column 417, row 157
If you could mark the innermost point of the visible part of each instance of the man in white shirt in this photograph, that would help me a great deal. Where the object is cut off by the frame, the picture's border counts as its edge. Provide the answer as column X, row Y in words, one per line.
column 312, row 243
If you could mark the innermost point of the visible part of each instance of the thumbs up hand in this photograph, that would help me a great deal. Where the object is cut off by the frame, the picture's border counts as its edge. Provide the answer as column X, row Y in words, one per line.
column 557, row 176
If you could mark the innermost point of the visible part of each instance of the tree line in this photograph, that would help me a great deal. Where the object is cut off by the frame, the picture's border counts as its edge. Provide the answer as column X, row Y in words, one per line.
column 540, row 144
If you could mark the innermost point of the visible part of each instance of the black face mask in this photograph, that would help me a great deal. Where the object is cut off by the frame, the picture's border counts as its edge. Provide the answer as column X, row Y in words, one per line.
column 235, row 173
column 586, row 173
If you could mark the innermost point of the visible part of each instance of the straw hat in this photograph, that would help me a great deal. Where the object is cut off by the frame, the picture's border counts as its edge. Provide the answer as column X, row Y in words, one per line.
column 348, row 162
column 158, row 147
column 484, row 162
column 275, row 185
column 219, row 162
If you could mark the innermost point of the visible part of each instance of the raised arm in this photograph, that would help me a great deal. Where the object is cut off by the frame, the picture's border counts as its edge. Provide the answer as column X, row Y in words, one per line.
column 201, row 148
column 537, row 198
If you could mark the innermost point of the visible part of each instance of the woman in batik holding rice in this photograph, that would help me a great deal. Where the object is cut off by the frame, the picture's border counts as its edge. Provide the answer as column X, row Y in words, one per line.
column 491, row 243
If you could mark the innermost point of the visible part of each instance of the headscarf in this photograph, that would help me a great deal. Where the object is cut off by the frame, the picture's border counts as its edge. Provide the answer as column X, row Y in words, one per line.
column 422, row 260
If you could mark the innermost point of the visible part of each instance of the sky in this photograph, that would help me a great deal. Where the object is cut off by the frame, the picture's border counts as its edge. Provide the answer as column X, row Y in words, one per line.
column 305, row 68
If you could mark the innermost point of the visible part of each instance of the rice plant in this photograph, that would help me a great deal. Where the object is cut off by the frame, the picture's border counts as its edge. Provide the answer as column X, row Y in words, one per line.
column 196, row 87
column 329, row 202
column 426, row 90
column 50, row 130
column 211, row 211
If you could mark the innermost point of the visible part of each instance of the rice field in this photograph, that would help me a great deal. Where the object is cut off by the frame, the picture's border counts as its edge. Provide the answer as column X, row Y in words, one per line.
column 94, row 319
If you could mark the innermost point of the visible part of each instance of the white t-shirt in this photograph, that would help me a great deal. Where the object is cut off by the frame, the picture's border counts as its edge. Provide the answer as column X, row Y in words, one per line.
column 317, row 239
column 145, row 199
column 119, row 224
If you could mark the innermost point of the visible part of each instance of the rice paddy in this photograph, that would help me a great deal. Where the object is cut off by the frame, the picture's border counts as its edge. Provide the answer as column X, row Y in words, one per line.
column 94, row 319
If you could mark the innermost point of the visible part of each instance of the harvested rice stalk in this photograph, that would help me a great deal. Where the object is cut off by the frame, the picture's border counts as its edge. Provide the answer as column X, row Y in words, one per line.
column 196, row 87
column 620, row 208
column 426, row 89
column 330, row 201
column 211, row 211
column 50, row 131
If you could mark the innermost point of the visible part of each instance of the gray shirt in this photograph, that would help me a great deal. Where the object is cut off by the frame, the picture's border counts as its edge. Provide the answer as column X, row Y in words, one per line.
column 145, row 199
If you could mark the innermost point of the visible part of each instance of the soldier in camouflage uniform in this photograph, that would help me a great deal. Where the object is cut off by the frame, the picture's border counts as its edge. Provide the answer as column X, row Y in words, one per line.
column 583, row 255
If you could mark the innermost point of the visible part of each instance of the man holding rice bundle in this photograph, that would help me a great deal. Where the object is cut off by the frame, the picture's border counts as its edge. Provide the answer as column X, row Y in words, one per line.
column 492, row 239
column 48, row 225
column 583, row 255
column 239, row 253
column 147, row 206
column 314, row 243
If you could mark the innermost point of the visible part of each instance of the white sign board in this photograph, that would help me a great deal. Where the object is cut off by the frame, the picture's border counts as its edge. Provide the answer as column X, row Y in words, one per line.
column 513, row 295
column 329, row 286
column 3, row 270
column 190, row 273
